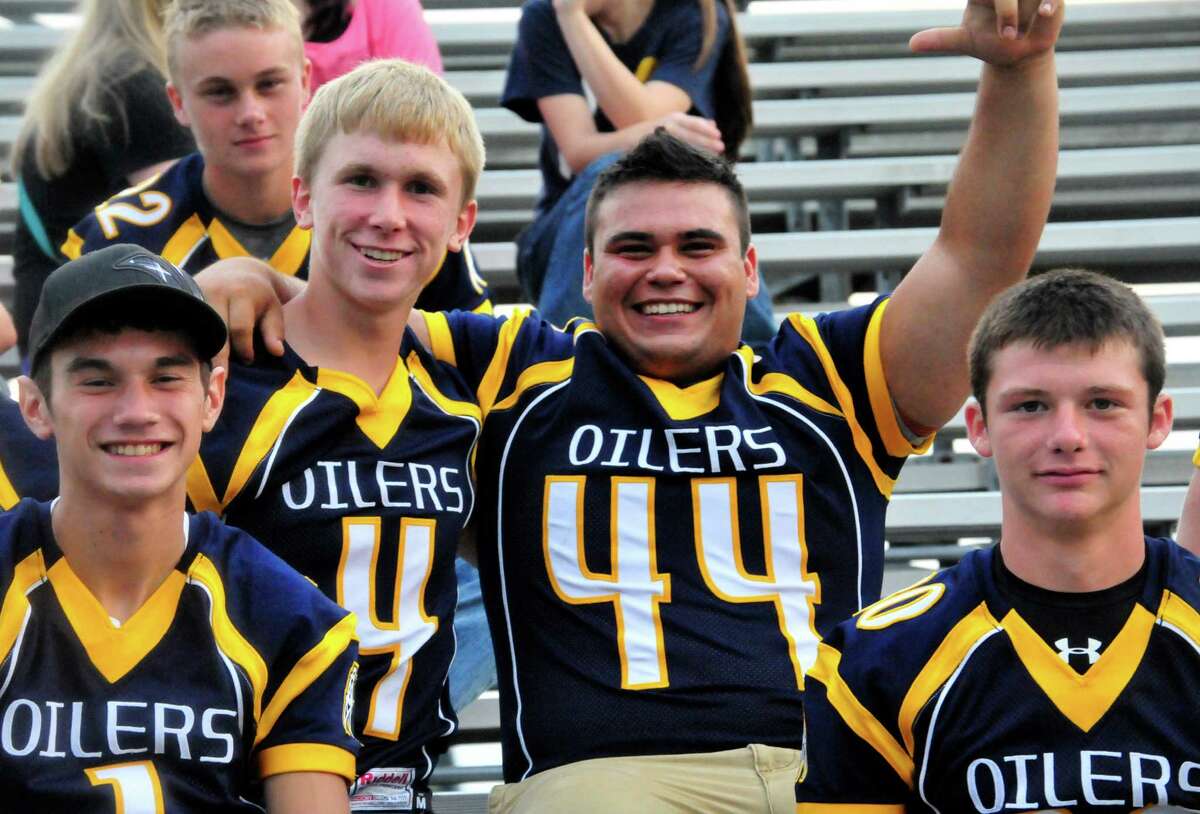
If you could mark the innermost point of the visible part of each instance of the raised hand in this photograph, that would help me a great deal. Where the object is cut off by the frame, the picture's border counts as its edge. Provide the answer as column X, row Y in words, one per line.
column 999, row 32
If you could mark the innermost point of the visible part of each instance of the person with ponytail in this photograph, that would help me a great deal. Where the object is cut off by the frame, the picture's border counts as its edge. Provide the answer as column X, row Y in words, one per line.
column 675, row 64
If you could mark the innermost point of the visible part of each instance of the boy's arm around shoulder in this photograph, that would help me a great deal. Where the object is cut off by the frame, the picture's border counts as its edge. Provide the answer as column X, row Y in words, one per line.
column 995, row 209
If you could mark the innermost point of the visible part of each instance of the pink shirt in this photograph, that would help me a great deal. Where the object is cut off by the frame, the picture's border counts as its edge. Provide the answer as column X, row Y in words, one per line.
column 378, row 28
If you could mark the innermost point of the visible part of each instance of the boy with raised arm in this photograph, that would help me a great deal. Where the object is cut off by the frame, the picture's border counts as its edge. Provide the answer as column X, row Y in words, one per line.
column 1055, row 670
column 151, row 660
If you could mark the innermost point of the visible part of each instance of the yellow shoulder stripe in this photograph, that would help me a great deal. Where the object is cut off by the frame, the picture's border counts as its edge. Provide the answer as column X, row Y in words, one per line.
column 72, row 247
column 807, row 328
column 308, row 669
column 858, row 717
column 28, row 573
column 291, row 252
column 541, row 373
column 894, row 440
column 229, row 639
column 306, row 757
column 441, row 342
column 115, row 650
column 184, row 241
column 1083, row 699
column 493, row 377
column 941, row 665
column 8, row 493
column 784, row 384
column 1180, row 615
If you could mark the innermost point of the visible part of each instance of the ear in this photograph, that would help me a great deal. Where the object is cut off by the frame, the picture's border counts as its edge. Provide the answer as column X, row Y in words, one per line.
column 35, row 409
column 302, row 202
column 181, row 115
column 214, row 398
column 589, row 274
column 463, row 226
column 750, row 265
column 306, row 82
column 1161, row 418
column 977, row 430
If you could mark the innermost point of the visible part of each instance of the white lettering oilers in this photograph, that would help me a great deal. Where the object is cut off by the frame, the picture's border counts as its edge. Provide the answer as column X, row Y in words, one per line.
column 1119, row 779
column 97, row 729
column 712, row 449
column 340, row 485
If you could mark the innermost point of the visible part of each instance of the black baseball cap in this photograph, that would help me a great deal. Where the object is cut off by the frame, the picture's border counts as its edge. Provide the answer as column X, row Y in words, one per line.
column 122, row 279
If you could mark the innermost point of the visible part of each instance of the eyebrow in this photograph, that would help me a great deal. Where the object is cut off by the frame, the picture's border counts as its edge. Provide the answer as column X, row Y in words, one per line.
column 690, row 234
column 82, row 363
column 274, row 70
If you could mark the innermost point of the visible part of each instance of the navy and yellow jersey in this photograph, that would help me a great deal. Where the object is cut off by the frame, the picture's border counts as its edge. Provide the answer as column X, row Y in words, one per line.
column 667, row 558
column 366, row 496
column 28, row 465
column 171, row 215
column 943, row 698
column 233, row 670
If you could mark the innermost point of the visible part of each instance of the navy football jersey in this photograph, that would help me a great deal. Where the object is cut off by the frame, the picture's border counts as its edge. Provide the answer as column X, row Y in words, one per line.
column 170, row 215
column 233, row 670
column 941, row 697
column 667, row 558
column 28, row 465
column 366, row 496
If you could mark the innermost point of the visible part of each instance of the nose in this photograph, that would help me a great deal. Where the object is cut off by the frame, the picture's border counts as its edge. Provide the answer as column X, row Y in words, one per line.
column 135, row 406
column 666, row 268
column 250, row 110
column 387, row 211
column 1068, row 434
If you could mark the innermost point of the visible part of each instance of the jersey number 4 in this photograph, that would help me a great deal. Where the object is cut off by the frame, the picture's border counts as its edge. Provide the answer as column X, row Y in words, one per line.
column 636, row 587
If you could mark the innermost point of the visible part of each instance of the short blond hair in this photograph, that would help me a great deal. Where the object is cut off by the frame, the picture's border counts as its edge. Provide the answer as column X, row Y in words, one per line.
column 398, row 101
column 185, row 19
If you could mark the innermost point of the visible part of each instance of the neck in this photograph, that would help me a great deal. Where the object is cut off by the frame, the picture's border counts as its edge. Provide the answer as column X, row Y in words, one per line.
column 250, row 199
column 327, row 331
column 621, row 20
column 1074, row 557
column 121, row 554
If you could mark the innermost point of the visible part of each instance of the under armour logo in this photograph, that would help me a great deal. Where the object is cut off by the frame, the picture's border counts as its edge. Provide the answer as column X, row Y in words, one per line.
column 1065, row 651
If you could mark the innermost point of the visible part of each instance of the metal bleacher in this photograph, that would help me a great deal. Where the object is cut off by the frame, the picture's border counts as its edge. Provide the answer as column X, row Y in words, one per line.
column 852, row 150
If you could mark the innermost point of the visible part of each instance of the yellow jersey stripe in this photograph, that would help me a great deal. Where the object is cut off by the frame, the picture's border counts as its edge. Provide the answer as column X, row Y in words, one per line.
column 858, row 717
column 229, row 639
column 8, row 493
column 290, row 255
column 1083, row 699
column 115, row 650
column 493, row 377
column 306, row 757
column 184, row 241
column 783, row 384
column 541, row 373
column 308, row 669
column 941, row 665
column 807, row 329
column 441, row 342
column 685, row 403
column 223, row 241
column 448, row 405
column 645, row 68
column 379, row 417
column 200, row 489
column 72, row 247
column 882, row 405
column 29, row 572
column 1180, row 615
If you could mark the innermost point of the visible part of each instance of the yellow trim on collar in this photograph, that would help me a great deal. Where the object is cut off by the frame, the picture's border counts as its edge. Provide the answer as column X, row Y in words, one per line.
column 685, row 403
column 8, row 493
column 882, row 405
column 1083, row 699
column 223, row 241
column 379, row 417
column 184, row 241
column 311, row 666
column 855, row 715
column 290, row 255
column 306, row 757
column 200, row 490
column 115, row 650
column 783, row 384
column 29, row 572
column 941, row 665
column 230, row 640
column 806, row 327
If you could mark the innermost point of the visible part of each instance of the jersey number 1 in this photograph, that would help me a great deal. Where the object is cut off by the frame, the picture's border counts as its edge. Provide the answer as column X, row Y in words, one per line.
column 636, row 587
column 136, row 787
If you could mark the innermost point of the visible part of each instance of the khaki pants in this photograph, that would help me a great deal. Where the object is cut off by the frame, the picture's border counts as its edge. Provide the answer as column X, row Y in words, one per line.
column 756, row 778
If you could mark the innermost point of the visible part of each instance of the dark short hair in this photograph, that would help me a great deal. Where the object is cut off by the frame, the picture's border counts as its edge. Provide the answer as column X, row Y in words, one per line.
column 662, row 157
column 1067, row 307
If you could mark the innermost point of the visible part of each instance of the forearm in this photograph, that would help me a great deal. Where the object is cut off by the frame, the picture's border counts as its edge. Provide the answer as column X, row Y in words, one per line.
column 624, row 98
column 584, row 147
column 1002, row 188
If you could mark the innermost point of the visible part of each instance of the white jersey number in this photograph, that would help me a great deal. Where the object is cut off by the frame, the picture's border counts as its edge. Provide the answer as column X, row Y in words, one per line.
column 409, row 627
column 636, row 588
column 155, row 207
column 136, row 787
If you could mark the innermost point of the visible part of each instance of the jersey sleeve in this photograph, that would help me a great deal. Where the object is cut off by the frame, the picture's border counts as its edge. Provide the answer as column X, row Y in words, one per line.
column 540, row 64
column 840, row 352
column 149, row 133
column 28, row 465
column 500, row 358
column 306, row 651
column 457, row 285
column 676, row 61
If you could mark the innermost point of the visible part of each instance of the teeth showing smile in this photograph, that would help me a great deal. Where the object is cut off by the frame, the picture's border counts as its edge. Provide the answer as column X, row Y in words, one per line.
column 668, row 308
column 134, row 450
column 382, row 255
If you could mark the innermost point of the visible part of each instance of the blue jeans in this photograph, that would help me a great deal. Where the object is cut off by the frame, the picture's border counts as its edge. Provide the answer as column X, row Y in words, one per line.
column 550, row 262
column 474, row 667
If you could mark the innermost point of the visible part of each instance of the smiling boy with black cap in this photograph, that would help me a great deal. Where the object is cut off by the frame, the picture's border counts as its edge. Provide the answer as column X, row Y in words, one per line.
column 151, row 660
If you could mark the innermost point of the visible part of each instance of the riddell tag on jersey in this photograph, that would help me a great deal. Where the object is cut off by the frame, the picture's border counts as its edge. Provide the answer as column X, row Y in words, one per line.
column 381, row 789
